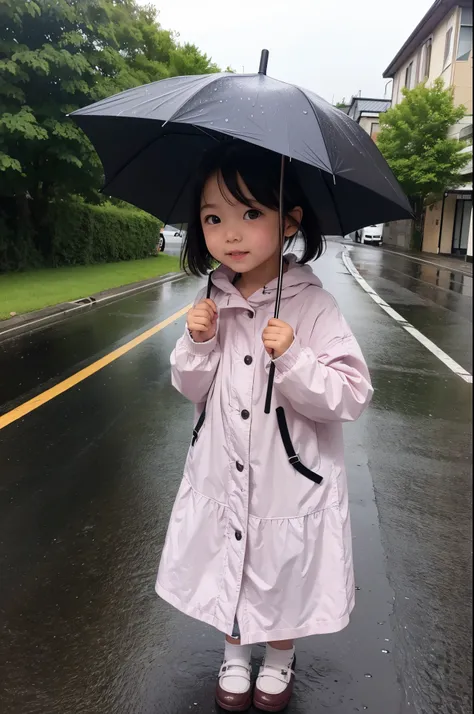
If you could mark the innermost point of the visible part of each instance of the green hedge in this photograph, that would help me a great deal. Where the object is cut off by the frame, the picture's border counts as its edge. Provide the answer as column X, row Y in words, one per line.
column 83, row 234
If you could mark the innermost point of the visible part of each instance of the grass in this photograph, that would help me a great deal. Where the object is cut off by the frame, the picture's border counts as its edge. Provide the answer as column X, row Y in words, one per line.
column 34, row 289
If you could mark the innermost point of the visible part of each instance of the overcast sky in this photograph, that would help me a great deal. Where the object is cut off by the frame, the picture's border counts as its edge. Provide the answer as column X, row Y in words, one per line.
column 334, row 48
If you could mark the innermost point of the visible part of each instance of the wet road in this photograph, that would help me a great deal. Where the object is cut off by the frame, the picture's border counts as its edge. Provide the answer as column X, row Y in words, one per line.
column 88, row 481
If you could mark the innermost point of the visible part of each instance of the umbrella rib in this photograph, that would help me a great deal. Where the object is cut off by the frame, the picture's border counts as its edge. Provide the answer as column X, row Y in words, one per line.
column 171, row 118
column 317, row 119
column 336, row 209
column 199, row 128
column 331, row 193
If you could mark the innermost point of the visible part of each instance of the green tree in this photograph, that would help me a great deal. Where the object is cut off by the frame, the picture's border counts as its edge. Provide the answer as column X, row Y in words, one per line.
column 342, row 104
column 187, row 59
column 59, row 55
column 414, row 140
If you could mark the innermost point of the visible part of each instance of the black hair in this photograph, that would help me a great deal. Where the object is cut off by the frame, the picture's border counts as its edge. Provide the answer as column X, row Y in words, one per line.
column 260, row 170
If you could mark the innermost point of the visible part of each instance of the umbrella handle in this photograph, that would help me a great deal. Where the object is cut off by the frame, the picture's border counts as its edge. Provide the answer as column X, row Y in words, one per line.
column 271, row 375
column 268, row 398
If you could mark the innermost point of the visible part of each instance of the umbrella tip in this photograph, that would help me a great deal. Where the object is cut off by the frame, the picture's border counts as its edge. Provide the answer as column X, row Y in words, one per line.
column 263, row 62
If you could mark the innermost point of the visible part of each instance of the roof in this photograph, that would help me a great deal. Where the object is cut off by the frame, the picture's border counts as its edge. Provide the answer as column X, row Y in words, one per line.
column 362, row 104
column 425, row 27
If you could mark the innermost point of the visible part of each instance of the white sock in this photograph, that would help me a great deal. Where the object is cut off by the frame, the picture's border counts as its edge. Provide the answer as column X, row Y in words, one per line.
column 275, row 659
column 237, row 684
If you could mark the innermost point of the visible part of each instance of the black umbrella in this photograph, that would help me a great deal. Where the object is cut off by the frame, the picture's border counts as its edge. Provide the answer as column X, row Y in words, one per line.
column 151, row 140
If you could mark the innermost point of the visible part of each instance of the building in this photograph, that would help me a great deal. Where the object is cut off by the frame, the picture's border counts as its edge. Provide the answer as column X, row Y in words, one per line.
column 366, row 112
column 441, row 46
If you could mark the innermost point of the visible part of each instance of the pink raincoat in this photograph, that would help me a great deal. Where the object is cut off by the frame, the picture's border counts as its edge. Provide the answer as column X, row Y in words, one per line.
column 250, row 537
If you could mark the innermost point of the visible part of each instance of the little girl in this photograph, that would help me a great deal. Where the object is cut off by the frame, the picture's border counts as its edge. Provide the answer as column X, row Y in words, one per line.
column 259, row 542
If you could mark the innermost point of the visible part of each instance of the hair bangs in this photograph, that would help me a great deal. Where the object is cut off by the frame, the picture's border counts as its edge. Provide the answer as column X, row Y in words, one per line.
column 249, row 174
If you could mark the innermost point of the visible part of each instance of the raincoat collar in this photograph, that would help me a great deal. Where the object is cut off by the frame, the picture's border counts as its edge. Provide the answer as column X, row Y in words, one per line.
column 295, row 279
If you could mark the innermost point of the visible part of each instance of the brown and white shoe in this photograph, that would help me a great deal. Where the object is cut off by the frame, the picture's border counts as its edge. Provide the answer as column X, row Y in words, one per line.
column 234, row 686
column 274, row 686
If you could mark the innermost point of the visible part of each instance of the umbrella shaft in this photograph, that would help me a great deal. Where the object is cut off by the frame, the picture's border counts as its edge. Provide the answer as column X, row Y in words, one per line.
column 271, row 376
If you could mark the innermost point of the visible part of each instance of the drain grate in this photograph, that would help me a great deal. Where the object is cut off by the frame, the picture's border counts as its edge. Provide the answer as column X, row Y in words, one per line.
column 84, row 301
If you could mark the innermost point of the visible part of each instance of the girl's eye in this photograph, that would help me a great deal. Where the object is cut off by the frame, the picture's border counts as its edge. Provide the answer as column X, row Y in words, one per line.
column 212, row 220
column 252, row 215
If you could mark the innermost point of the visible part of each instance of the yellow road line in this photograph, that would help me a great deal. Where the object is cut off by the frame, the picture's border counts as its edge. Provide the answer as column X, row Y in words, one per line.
column 74, row 379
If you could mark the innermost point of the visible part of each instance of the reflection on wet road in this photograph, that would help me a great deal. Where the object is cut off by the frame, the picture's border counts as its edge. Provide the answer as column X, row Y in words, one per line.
column 435, row 300
column 88, row 481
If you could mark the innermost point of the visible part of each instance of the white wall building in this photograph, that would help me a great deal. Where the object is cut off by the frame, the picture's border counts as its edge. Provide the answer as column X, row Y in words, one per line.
column 441, row 46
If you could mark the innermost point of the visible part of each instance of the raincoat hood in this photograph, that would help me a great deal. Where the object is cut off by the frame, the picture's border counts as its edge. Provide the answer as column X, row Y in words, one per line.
column 295, row 279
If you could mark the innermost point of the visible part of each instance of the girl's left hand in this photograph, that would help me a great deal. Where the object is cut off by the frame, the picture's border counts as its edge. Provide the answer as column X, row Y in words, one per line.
column 277, row 337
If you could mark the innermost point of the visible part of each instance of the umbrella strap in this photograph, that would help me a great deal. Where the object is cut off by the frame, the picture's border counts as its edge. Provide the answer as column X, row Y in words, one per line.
column 293, row 457
column 198, row 426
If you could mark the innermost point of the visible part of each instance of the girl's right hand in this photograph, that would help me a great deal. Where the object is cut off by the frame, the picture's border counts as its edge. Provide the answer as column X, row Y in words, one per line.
column 202, row 321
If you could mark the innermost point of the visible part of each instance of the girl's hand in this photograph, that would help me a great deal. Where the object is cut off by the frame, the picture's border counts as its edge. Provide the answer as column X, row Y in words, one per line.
column 277, row 337
column 202, row 321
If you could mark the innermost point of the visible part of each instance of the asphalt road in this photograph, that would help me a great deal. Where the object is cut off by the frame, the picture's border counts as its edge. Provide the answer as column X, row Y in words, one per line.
column 88, row 481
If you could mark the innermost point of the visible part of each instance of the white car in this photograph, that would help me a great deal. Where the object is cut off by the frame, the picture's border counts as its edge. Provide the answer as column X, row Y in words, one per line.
column 171, row 234
column 370, row 234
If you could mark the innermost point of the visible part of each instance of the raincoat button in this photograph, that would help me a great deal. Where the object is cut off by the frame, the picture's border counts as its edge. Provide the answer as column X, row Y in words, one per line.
column 244, row 414
column 238, row 535
column 250, row 314
column 248, row 359
column 239, row 466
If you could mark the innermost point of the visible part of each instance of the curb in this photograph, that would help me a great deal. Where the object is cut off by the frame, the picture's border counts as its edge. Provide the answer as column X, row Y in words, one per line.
column 38, row 319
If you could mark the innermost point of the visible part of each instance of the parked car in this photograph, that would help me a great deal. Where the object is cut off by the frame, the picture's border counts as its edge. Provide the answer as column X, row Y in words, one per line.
column 169, row 233
column 371, row 234
column 170, row 239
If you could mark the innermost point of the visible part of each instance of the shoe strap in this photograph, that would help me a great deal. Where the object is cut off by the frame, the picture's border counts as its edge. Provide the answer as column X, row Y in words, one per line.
column 229, row 668
column 282, row 674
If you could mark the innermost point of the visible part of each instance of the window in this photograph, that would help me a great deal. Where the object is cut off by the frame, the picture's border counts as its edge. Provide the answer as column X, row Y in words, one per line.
column 408, row 74
column 465, row 35
column 419, row 57
column 427, row 64
column 447, row 48
column 466, row 16
column 374, row 130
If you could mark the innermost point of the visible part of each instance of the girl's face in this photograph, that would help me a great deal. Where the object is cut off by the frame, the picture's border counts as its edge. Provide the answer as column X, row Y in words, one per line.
column 240, row 237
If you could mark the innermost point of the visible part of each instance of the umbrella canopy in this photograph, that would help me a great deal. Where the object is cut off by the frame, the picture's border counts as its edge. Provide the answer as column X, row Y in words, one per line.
column 151, row 140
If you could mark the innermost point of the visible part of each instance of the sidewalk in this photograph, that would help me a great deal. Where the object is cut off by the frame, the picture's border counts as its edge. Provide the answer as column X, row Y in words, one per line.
column 457, row 265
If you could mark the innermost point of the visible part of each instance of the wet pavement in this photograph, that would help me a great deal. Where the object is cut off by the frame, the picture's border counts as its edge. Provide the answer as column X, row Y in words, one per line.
column 415, row 289
column 88, row 481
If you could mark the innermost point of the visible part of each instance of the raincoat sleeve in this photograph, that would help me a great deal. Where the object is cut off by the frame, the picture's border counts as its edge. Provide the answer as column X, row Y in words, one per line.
column 326, row 379
column 194, row 365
